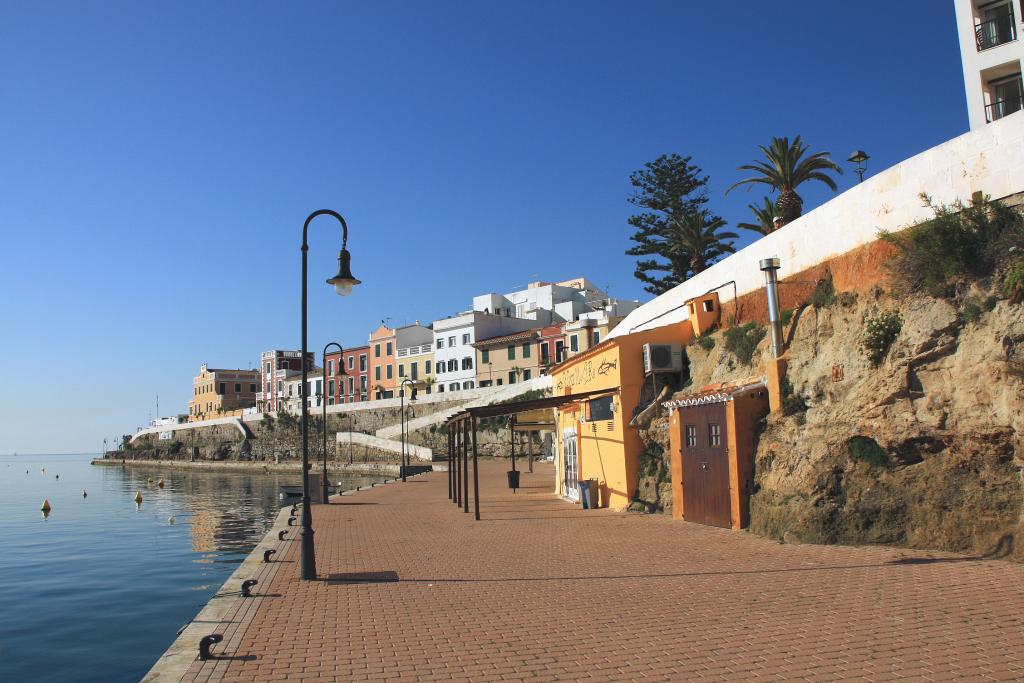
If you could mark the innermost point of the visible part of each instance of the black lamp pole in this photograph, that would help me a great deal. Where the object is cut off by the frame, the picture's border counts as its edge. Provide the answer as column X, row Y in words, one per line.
column 343, row 283
column 401, row 399
column 326, row 491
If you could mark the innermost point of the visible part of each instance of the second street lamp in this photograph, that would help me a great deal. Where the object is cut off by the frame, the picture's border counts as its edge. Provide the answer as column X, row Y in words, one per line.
column 326, row 490
column 401, row 398
column 343, row 283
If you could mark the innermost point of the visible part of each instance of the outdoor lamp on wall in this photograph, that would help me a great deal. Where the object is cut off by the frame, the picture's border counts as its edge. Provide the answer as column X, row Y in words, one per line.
column 858, row 157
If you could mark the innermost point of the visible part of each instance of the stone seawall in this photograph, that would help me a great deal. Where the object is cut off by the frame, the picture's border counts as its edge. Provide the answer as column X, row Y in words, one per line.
column 115, row 459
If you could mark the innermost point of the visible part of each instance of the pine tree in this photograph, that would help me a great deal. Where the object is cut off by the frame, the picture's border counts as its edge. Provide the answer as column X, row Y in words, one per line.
column 667, row 190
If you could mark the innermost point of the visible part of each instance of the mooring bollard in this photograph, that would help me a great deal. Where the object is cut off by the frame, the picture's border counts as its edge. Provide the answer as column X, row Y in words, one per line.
column 291, row 521
column 281, row 533
column 247, row 587
column 267, row 554
column 206, row 642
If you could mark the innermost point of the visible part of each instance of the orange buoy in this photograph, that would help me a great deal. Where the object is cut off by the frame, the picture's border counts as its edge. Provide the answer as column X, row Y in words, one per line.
column 160, row 483
column 46, row 506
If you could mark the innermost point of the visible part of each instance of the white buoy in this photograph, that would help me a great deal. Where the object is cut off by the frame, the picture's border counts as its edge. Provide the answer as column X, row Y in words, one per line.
column 171, row 520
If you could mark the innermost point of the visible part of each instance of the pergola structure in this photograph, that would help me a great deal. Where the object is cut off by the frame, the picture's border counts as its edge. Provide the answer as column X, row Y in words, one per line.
column 462, row 428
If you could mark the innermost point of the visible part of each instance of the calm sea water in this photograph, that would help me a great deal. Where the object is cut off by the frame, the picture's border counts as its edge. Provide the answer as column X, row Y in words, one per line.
column 98, row 590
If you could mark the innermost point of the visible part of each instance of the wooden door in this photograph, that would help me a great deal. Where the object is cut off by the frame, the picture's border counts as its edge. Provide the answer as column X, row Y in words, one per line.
column 705, row 466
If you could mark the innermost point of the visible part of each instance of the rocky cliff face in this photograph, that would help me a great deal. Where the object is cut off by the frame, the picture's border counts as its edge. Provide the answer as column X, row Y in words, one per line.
column 922, row 450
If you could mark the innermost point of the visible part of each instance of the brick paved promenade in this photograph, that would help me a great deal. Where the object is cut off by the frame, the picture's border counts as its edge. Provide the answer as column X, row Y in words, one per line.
column 541, row 590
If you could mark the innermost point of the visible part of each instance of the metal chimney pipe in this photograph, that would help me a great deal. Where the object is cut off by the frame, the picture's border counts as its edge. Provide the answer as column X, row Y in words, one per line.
column 770, row 266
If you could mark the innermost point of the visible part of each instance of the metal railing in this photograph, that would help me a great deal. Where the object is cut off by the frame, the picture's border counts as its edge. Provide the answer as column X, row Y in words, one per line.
column 1001, row 108
column 994, row 32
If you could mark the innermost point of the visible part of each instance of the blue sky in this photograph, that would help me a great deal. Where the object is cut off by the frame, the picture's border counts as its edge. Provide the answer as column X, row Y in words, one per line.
column 157, row 161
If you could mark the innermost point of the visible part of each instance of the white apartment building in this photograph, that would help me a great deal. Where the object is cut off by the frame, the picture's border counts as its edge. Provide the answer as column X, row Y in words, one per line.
column 548, row 303
column 454, row 354
column 292, row 399
column 992, row 53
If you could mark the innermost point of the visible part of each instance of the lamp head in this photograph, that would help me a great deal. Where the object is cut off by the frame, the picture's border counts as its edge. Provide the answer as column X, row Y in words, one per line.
column 344, row 281
column 859, row 156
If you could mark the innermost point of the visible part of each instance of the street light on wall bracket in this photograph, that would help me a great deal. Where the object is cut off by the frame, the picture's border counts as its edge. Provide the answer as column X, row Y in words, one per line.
column 401, row 398
column 323, row 405
column 859, row 157
column 343, row 283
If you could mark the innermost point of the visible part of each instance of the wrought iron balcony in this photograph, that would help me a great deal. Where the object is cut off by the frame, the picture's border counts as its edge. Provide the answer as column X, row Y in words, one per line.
column 995, row 32
column 1001, row 108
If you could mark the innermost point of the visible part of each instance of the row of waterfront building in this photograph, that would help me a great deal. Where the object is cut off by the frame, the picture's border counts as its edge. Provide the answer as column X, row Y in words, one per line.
column 503, row 339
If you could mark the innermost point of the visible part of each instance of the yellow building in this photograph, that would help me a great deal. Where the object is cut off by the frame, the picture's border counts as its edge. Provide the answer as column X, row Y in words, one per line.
column 594, row 439
column 590, row 329
column 417, row 364
column 508, row 359
column 222, row 393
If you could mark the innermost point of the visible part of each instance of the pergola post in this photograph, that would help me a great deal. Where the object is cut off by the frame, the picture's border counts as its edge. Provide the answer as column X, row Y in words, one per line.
column 529, row 451
column 465, row 466
column 476, row 477
column 457, row 436
column 449, row 439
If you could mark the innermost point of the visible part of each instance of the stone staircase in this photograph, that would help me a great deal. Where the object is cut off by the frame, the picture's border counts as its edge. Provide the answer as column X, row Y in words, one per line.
column 504, row 393
column 388, row 438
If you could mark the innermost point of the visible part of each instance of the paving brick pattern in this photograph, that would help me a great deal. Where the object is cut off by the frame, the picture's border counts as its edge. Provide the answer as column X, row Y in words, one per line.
column 541, row 590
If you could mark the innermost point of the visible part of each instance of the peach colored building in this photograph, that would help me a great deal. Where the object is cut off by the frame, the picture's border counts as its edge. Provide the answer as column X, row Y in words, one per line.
column 383, row 373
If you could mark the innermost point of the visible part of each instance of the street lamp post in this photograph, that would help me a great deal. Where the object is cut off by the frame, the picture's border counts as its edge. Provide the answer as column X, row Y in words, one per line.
column 326, row 489
column 401, row 398
column 858, row 157
column 343, row 283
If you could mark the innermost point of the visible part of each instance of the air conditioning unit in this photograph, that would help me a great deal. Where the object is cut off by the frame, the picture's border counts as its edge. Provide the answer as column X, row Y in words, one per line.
column 663, row 358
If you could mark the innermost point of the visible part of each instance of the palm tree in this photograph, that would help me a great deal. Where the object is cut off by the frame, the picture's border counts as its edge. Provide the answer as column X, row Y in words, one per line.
column 785, row 169
column 765, row 215
column 698, row 240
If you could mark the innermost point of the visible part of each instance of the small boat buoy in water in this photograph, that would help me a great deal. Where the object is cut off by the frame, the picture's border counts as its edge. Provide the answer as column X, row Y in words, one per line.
column 138, row 497
column 85, row 494
column 46, row 506
column 58, row 476
column 171, row 519
column 160, row 483
column 150, row 480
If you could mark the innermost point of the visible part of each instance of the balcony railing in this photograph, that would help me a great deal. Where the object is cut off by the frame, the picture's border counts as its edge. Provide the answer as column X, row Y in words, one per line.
column 1001, row 108
column 994, row 32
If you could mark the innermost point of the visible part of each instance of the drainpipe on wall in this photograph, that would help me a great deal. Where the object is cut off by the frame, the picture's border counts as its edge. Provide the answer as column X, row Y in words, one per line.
column 776, row 367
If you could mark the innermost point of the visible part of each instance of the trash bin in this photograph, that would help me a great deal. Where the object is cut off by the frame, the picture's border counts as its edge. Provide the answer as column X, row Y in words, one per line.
column 513, row 479
column 588, row 494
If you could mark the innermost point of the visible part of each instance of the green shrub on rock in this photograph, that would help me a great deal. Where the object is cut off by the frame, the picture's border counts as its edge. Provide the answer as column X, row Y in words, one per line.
column 824, row 294
column 959, row 241
column 742, row 341
column 866, row 449
column 881, row 332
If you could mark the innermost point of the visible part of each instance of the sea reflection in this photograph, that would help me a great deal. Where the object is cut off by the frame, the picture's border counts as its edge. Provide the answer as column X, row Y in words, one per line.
column 138, row 571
